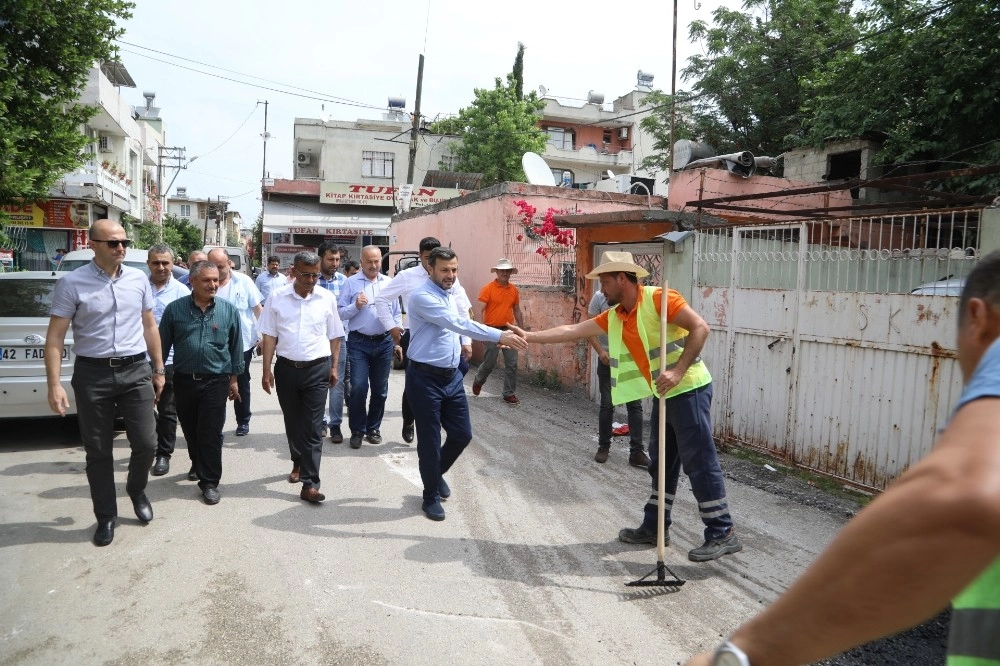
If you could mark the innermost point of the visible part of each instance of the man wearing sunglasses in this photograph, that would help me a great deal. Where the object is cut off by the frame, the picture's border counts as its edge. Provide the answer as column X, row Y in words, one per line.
column 111, row 309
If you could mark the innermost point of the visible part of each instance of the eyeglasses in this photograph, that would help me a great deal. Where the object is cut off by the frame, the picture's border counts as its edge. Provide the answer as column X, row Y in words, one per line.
column 309, row 276
column 113, row 243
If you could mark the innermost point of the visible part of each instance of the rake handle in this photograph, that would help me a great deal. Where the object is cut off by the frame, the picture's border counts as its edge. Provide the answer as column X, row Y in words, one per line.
column 661, row 483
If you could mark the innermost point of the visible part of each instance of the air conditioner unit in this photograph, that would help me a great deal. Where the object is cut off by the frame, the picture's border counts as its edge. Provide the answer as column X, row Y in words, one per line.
column 303, row 159
column 104, row 143
column 623, row 133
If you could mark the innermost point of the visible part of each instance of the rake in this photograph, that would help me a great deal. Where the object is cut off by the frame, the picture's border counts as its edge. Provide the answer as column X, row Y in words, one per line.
column 661, row 569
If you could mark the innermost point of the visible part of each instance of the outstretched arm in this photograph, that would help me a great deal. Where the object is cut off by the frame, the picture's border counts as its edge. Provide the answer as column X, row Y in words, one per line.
column 567, row 333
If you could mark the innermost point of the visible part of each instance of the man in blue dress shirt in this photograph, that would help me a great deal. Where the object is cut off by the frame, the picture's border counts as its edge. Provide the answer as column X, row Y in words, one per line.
column 369, row 347
column 433, row 382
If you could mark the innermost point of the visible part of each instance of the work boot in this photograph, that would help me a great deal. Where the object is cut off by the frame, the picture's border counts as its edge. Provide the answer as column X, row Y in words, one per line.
column 642, row 534
column 602, row 454
column 639, row 459
column 715, row 548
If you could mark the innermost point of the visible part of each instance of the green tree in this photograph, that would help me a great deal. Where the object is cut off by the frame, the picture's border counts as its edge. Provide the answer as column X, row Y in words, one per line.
column 181, row 236
column 924, row 77
column 657, row 124
column 47, row 48
column 518, row 71
column 748, row 85
column 258, row 241
column 495, row 131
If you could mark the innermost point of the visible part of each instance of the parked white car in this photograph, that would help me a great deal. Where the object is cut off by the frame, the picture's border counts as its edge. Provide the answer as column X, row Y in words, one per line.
column 25, row 299
column 133, row 257
column 944, row 287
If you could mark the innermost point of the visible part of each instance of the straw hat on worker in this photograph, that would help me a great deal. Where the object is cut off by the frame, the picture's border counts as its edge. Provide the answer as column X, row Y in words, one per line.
column 504, row 265
column 617, row 262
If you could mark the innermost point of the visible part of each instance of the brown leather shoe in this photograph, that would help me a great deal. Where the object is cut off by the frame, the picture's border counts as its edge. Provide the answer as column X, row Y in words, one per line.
column 310, row 494
column 294, row 476
column 638, row 459
column 602, row 454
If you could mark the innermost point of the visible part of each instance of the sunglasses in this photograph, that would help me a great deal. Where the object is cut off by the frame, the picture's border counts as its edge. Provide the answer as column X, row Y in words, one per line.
column 113, row 243
column 309, row 276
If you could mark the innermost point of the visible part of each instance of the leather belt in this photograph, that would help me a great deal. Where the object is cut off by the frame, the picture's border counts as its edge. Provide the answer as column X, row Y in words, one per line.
column 376, row 338
column 113, row 362
column 303, row 364
column 199, row 377
column 447, row 373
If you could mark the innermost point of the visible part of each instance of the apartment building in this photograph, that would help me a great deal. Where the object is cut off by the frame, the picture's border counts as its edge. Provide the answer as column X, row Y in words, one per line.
column 117, row 181
column 218, row 225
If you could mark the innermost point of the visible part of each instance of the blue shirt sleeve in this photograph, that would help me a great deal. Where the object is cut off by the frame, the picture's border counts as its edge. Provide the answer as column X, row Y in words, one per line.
column 985, row 381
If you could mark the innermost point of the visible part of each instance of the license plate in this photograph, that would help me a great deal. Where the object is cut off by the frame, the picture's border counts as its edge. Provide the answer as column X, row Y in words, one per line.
column 17, row 354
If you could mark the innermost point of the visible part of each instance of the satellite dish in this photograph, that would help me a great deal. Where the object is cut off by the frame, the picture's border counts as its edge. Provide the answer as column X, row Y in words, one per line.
column 542, row 91
column 536, row 170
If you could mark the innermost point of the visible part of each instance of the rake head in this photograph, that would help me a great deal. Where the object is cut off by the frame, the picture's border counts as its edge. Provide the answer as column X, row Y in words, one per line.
column 661, row 572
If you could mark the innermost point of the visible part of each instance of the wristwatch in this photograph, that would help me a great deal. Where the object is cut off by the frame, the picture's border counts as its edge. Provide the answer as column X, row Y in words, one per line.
column 161, row 371
column 728, row 654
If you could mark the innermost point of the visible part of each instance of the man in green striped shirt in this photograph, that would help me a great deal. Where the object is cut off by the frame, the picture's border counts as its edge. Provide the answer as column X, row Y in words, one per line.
column 204, row 332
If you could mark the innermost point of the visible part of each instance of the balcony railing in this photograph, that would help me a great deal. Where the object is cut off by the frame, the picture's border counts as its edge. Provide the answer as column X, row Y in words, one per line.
column 95, row 182
column 592, row 154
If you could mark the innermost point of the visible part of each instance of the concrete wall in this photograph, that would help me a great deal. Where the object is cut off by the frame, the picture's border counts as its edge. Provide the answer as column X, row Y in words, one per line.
column 690, row 186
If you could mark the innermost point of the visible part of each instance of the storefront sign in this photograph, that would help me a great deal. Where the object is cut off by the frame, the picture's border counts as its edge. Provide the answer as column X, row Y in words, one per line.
column 58, row 214
column 7, row 258
column 326, row 231
column 356, row 194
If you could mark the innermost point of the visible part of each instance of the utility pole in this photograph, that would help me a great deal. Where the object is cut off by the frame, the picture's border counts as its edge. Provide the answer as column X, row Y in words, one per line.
column 167, row 153
column 416, row 122
column 265, row 136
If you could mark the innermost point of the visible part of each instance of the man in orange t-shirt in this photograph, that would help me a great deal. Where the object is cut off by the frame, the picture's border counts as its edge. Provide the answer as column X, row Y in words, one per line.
column 501, row 306
column 686, row 383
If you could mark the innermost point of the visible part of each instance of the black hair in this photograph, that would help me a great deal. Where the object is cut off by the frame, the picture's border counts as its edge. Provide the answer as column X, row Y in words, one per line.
column 444, row 253
column 983, row 282
column 428, row 244
column 351, row 265
column 326, row 246
column 273, row 258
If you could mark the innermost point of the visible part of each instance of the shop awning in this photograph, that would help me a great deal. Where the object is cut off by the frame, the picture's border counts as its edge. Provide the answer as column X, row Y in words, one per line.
column 313, row 218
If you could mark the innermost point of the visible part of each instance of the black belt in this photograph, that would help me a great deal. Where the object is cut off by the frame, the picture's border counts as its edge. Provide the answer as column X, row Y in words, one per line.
column 113, row 362
column 499, row 328
column 376, row 338
column 433, row 369
column 199, row 377
column 303, row 364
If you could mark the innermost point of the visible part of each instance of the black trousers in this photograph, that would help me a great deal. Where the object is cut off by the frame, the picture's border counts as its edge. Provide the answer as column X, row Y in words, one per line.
column 302, row 394
column 404, row 342
column 241, row 407
column 201, row 408
column 99, row 390
column 166, row 417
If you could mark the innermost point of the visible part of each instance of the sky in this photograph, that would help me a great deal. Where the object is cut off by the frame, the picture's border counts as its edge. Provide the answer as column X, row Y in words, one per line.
column 342, row 61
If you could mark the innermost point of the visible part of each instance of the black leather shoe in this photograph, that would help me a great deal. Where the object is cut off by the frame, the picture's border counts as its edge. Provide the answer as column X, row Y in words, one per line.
column 336, row 436
column 192, row 475
column 105, row 533
column 356, row 438
column 211, row 495
column 408, row 433
column 443, row 489
column 374, row 436
column 143, row 509
column 160, row 466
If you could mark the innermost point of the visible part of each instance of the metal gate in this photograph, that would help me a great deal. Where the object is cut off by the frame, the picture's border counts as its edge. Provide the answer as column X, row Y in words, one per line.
column 819, row 353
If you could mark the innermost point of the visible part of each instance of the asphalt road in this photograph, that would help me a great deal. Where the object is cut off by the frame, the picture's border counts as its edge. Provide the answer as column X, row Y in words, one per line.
column 526, row 569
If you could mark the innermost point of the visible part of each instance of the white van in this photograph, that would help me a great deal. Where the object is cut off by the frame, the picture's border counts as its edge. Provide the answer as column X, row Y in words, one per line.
column 237, row 254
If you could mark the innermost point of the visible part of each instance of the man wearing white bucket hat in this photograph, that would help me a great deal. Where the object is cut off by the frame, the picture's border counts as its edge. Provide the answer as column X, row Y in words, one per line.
column 501, row 306
column 633, row 328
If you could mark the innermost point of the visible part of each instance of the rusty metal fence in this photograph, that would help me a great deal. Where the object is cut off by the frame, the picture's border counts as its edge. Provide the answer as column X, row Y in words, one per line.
column 833, row 341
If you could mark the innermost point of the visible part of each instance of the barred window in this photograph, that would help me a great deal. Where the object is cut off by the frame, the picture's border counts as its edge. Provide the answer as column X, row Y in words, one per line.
column 376, row 164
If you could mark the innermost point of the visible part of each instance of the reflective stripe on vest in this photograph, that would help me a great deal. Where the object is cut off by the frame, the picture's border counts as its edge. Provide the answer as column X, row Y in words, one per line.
column 974, row 638
column 628, row 382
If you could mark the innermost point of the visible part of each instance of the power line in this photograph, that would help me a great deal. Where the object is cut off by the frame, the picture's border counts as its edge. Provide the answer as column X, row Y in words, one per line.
column 326, row 98
column 245, row 120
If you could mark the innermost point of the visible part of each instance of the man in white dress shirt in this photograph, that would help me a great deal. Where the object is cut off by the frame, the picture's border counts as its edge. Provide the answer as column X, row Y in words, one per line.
column 402, row 285
column 301, row 325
